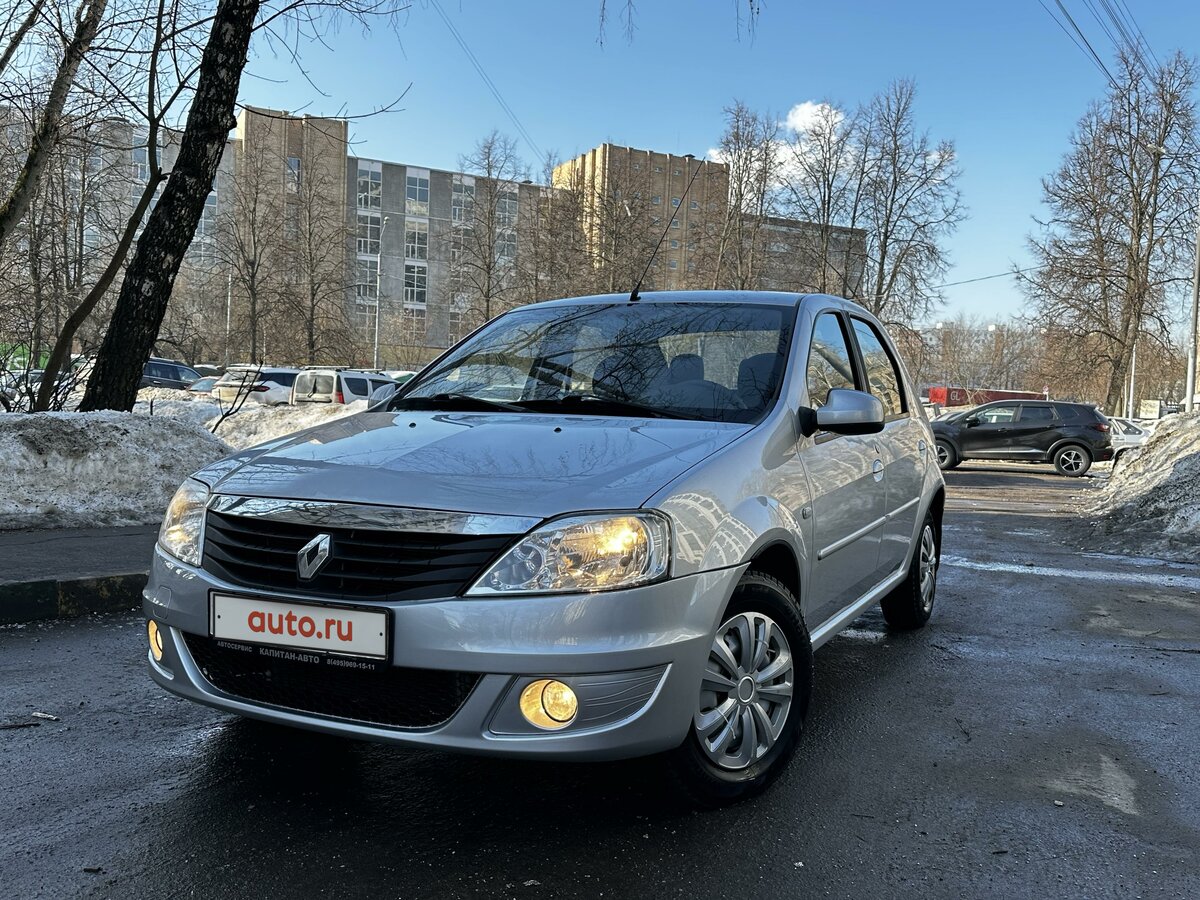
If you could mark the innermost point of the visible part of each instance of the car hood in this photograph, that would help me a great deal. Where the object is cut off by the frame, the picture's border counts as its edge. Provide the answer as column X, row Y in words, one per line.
column 501, row 463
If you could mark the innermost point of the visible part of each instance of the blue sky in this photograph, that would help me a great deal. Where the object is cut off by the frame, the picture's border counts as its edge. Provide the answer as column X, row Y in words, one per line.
column 1000, row 79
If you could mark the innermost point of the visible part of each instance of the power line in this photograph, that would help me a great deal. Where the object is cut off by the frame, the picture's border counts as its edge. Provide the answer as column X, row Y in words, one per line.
column 1009, row 273
column 1079, row 39
column 491, row 85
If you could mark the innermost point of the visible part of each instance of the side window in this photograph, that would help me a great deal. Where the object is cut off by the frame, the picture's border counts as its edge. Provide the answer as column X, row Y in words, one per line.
column 883, row 376
column 159, row 370
column 1037, row 414
column 997, row 415
column 829, row 363
column 356, row 386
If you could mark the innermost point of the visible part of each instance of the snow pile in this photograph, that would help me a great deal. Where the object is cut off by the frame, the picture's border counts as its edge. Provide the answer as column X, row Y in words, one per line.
column 157, row 401
column 255, row 424
column 64, row 470
column 1155, row 491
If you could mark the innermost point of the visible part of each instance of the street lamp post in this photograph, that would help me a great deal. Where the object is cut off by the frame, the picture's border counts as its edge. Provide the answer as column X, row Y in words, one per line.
column 1189, row 392
column 378, row 289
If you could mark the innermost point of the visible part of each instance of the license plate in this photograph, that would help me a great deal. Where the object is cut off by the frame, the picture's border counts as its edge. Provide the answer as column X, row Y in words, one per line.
column 353, row 631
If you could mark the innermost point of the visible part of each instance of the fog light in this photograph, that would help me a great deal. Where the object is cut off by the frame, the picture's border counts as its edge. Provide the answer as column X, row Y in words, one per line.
column 156, row 647
column 549, row 704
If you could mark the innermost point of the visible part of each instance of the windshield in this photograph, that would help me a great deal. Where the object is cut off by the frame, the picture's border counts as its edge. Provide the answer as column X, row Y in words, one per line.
column 708, row 361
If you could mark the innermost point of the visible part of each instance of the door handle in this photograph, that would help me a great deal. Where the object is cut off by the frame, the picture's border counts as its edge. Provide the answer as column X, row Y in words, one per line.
column 877, row 469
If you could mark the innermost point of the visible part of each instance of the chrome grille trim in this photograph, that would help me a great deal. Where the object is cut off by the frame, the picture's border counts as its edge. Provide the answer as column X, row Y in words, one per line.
column 369, row 517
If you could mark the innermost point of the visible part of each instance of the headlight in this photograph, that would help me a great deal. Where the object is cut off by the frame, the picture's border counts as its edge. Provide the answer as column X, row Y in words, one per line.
column 580, row 554
column 180, row 532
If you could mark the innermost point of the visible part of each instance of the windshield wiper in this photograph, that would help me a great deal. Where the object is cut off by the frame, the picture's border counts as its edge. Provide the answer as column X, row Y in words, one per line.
column 598, row 405
column 453, row 401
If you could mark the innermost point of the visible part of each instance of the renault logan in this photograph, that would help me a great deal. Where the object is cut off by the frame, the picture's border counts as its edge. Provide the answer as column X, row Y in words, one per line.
column 636, row 550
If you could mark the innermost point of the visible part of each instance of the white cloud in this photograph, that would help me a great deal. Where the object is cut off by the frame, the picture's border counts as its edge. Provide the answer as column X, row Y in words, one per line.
column 803, row 116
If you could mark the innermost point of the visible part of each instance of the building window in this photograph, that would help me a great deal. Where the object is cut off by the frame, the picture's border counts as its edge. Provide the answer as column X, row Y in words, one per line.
column 658, row 168
column 506, row 209
column 674, row 223
column 416, row 239
column 454, row 328
column 637, row 167
column 691, row 267
column 675, row 202
column 506, row 245
column 656, row 199
column 693, row 204
column 293, row 174
column 370, row 184
column 291, row 220
column 672, row 264
column 413, row 324
column 416, row 283
column 366, row 282
column 368, row 233
column 674, row 244
column 462, row 200
column 677, row 171
column 416, row 194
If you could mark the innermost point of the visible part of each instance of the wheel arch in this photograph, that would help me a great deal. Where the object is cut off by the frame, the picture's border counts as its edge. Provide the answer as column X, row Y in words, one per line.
column 778, row 560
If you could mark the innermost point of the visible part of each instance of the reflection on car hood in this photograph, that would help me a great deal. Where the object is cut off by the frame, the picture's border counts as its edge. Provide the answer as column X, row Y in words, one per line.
column 522, row 464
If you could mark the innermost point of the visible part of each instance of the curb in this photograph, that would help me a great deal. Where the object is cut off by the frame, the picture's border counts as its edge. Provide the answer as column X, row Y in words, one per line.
column 29, row 601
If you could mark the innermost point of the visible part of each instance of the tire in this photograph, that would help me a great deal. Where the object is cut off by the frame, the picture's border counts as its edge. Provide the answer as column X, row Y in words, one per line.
column 947, row 457
column 1072, row 460
column 910, row 604
column 720, row 762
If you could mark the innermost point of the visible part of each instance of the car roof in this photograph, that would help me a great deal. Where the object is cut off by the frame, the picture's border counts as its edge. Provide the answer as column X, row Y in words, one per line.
column 764, row 298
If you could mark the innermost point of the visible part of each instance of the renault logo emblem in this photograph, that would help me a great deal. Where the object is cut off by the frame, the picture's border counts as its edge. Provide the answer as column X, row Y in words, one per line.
column 312, row 556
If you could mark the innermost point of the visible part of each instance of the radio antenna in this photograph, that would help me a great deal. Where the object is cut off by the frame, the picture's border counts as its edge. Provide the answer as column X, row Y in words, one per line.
column 634, row 296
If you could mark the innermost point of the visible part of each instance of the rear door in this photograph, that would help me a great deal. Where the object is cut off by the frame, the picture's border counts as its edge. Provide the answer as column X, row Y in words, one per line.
column 1036, row 429
column 904, row 444
column 845, row 475
column 987, row 432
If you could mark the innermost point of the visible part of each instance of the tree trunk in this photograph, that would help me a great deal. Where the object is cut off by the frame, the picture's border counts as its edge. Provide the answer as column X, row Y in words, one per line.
column 46, row 136
column 146, row 289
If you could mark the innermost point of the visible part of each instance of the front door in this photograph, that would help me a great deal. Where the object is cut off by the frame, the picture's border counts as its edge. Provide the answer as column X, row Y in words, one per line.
column 846, row 481
column 987, row 432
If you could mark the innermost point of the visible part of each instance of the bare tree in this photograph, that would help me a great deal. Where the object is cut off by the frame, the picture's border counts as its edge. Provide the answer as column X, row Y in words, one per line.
column 1115, row 249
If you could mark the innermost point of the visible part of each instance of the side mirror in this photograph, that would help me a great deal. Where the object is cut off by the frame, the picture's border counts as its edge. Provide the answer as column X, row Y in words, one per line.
column 381, row 395
column 850, row 412
column 970, row 422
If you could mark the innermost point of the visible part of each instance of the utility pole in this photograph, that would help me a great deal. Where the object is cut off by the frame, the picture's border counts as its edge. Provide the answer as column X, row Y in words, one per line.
column 1189, row 391
column 228, row 313
column 378, row 289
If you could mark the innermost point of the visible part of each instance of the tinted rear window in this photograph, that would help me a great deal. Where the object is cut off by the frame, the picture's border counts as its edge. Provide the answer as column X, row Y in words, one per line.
column 310, row 383
column 287, row 379
column 356, row 385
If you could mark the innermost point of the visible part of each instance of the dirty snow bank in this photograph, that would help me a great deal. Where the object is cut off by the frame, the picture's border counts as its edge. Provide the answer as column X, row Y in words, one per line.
column 1153, row 495
column 157, row 401
column 254, row 423
column 64, row 470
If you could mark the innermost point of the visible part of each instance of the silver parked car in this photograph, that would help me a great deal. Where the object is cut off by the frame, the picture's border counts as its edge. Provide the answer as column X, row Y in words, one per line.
column 1127, row 435
column 637, row 554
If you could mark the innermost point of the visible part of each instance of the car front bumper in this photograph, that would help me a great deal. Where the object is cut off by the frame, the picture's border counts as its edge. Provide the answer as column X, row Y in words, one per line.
column 634, row 658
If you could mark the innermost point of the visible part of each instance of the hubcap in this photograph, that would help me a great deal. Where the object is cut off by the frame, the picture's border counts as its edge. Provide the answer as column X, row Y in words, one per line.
column 1072, row 460
column 943, row 454
column 928, row 568
column 747, row 691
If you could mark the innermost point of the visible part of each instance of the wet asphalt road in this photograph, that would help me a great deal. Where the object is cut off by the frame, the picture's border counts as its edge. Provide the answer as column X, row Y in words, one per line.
column 934, row 764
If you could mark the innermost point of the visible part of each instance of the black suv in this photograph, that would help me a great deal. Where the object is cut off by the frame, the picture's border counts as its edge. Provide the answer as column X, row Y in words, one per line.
column 1070, row 435
column 167, row 373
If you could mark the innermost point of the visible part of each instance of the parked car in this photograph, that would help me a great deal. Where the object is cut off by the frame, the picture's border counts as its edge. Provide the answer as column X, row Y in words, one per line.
column 638, row 555
column 203, row 385
column 268, row 385
column 1127, row 435
column 1072, row 436
column 18, row 389
column 168, row 374
column 321, row 384
column 400, row 376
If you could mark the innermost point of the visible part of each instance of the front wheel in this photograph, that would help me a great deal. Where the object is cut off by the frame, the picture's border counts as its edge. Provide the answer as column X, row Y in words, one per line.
column 752, row 700
column 910, row 603
column 946, row 457
column 1072, row 460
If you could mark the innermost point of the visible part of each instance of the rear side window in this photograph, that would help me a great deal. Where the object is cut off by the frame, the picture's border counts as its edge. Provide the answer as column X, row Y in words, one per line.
column 160, row 370
column 1037, row 414
column 376, row 385
column 883, row 376
column 286, row 379
column 357, row 386
column 829, row 363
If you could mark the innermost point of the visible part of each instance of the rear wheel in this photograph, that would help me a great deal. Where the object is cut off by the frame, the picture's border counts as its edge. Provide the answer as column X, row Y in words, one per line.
column 911, row 603
column 1072, row 460
column 752, row 700
column 946, row 457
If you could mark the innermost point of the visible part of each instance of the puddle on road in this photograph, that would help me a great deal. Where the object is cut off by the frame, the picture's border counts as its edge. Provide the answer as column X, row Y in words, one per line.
column 1105, row 781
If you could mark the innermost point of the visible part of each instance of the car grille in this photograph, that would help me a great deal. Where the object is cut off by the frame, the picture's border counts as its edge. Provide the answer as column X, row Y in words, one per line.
column 363, row 563
column 390, row 696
